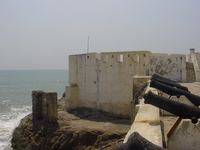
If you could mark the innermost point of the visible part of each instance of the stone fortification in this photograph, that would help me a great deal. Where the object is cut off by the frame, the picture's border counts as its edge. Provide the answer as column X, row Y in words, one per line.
column 103, row 81
column 45, row 106
column 194, row 58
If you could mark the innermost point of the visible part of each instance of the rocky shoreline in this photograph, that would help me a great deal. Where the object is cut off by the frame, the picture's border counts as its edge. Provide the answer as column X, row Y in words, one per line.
column 80, row 129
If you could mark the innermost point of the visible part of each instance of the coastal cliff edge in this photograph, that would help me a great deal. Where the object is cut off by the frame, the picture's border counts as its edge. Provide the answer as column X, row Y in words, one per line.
column 80, row 129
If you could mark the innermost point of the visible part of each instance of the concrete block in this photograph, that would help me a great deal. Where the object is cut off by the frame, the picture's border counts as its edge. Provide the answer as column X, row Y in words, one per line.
column 185, row 136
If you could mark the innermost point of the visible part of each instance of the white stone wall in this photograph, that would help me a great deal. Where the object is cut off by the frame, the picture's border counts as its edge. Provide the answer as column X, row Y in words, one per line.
column 104, row 81
column 195, row 59
column 147, row 121
column 116, row 80
column 185, row 136
column 169, row 66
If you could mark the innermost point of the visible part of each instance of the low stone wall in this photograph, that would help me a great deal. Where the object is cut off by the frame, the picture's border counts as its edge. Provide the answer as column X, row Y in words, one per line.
column 147, row 122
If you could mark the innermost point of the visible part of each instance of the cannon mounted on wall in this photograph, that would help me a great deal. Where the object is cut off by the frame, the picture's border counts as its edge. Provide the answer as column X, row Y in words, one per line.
column 177, row 108
column 172, row 88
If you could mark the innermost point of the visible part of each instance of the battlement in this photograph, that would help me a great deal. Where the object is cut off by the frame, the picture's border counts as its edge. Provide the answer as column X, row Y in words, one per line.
column 119, row 57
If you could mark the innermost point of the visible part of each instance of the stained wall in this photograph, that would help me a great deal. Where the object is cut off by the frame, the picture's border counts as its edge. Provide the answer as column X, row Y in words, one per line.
column 104, row 80
column 169, row 66
column 45, row 107
column 195, row 59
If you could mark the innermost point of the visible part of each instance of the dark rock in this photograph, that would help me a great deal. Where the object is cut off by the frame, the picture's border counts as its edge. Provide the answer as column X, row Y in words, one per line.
column 63, row 95
column 71, row 133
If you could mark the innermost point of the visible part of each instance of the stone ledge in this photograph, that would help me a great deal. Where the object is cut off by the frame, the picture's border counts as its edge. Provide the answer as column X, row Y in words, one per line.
column 147, row 123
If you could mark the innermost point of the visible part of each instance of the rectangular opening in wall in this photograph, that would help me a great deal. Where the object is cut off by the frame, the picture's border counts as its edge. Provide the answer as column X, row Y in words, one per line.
column 105, row 58
column 121, row 57
column 137, row 58
column 98, row 55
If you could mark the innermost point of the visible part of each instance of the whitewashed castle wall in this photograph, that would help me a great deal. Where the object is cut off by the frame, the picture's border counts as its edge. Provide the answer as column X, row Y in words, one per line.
column 195, row 59
column 115, row 79
column 170, row 66
column 104, row 81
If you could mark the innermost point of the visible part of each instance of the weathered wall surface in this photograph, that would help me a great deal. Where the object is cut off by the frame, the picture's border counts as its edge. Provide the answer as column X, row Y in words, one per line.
column 195, row 59
column 115, row 79
column 169, row 66
column 147, row 121
column 190, row 75
column 45, row 107
column 104, row 81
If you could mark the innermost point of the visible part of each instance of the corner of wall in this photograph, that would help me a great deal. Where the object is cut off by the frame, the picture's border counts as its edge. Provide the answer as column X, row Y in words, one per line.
column 71, row 96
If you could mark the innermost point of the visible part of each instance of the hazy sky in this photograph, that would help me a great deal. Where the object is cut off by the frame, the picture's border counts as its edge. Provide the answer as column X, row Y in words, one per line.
column 41, row 34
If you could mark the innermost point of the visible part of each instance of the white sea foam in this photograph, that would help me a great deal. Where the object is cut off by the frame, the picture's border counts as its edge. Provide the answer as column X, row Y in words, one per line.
column 8, row 122
column 5, row 102
column 15, row 96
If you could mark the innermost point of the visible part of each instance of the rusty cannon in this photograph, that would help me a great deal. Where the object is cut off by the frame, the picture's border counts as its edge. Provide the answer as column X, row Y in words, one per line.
column 177, row 108
column 168, row 82
column 175, row 92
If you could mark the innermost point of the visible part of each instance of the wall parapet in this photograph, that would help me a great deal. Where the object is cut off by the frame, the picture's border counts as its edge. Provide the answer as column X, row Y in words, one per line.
column 147, row 121
column 124, row 56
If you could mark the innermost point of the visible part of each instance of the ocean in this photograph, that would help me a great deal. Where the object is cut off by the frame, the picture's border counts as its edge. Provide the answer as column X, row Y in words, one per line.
column 16, row 87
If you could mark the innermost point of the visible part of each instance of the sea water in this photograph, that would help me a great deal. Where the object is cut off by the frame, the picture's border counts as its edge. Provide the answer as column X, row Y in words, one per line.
column 16, row 87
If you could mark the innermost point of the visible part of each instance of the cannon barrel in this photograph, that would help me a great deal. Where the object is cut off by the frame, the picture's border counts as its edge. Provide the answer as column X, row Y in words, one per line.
column 177, row 108
column 175, row 92
column 168, row 82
